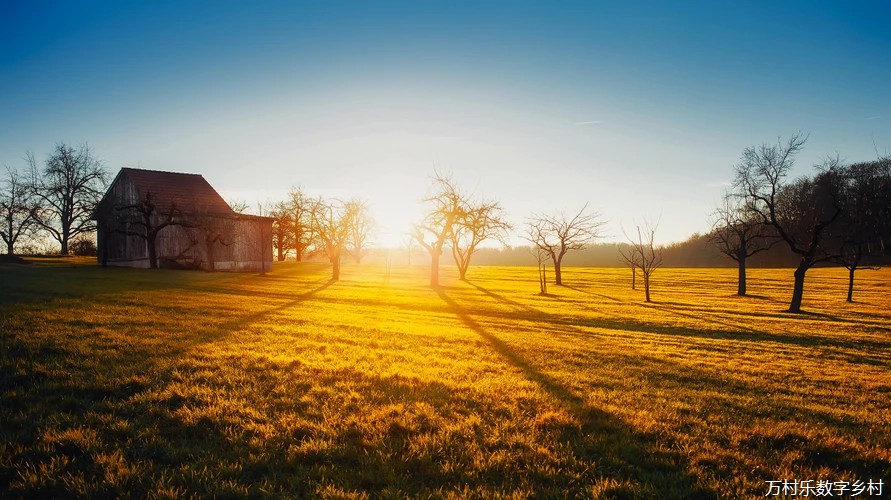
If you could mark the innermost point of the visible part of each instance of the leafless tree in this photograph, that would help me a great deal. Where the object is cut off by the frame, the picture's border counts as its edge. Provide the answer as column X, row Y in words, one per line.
column 864, row 225
column 361, row 228
column 630, row 257
column 238, row 206
column 282, row 229
column 558, row 234
column 739, row 233
column 302, row 206
column 445, row 205
column 645, row 253
column 18, row 209
column 478, row 221
column 332, row 222
column 541, row 258
column 801, row 213
column 211, row 232
column 68, row 188
column 145, row 220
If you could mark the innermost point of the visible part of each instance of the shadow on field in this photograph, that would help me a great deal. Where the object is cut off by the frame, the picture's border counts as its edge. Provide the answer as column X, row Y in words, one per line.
column 620, row 453
column 785, row 315
column 590, row 293
column 733, row 332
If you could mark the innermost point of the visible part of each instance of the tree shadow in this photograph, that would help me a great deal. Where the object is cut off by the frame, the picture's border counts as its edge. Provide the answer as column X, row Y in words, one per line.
column 505, row 300
column 620, row 452
column 591, row 293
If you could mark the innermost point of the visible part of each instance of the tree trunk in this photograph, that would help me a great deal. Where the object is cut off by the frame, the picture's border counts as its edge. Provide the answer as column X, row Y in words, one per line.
column 211, row 260
column 152, row 252
column 281, row 254
column 851, row 283
column 741, row 287
column 462, row 269
column 542, row 279
column 66, row 235
column 9, row 245
column 646, row 288
column 335, row 269
column 633, row 278
column 798, row 291
column 558, row 275
column 434, row 269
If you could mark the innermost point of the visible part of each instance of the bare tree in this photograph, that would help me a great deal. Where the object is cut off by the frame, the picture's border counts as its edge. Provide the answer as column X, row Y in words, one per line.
column 282, row 229
column 145, row 220
column 212, row 231
column 739, row 233
column 302, row 206
column 361, row 228
column 477, row 222
column 645, row 253
column 445, row 208
column 558, row 234
column 68, row 187
column 239, row 206
column 18, row 209
column 541, row 258
column 863, row 227
column 801, row 213
column 332, row 221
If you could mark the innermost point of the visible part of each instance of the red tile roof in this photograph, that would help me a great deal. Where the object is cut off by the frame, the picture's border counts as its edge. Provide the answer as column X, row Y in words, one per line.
column 190, row 193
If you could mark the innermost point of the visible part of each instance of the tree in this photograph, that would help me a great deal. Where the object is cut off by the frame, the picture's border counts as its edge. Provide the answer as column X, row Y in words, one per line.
column 863, row 227
column 18, row 209
column 332, row 222
column 445, row 205
column 282, row 229
column 145, row 220
column 645, row 254
column 558, row 234
column 68, row 188
column 541, row 258
column 301, row 207
column 801, row 213
column 213, row 230
column 477, row 222
column 361, row 228
column 739, row 233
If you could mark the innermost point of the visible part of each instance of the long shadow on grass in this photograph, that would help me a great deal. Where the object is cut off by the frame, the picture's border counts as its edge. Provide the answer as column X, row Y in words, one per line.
column 617, row 451
column 52, row 383
column 591, row 293
column 622, row 324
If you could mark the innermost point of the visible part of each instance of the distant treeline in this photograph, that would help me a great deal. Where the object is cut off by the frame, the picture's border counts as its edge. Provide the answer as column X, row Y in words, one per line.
column 696, row 251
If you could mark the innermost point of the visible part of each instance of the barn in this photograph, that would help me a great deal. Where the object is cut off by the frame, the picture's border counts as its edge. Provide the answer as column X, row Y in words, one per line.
column 150, row 218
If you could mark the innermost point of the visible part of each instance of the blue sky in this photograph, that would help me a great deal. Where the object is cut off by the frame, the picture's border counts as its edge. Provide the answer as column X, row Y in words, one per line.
column 639, row 108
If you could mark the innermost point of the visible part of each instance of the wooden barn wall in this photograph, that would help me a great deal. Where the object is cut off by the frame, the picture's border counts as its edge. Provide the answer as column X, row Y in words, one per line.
column 122, row 248
column 238, row 246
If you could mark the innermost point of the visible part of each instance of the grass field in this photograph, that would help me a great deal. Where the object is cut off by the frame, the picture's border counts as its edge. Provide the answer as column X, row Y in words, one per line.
column 120, row 382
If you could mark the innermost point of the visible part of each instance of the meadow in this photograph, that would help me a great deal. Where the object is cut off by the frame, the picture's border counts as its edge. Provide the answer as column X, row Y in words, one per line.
column 166, row 384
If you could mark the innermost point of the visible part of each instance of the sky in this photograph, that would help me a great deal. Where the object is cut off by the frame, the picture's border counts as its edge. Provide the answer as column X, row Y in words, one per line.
column 638, row 109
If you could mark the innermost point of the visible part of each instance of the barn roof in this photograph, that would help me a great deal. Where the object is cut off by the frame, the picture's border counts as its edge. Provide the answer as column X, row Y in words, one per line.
column 188, row 192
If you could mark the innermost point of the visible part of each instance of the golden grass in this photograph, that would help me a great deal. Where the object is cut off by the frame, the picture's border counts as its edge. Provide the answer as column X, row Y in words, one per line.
column 169, row 384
